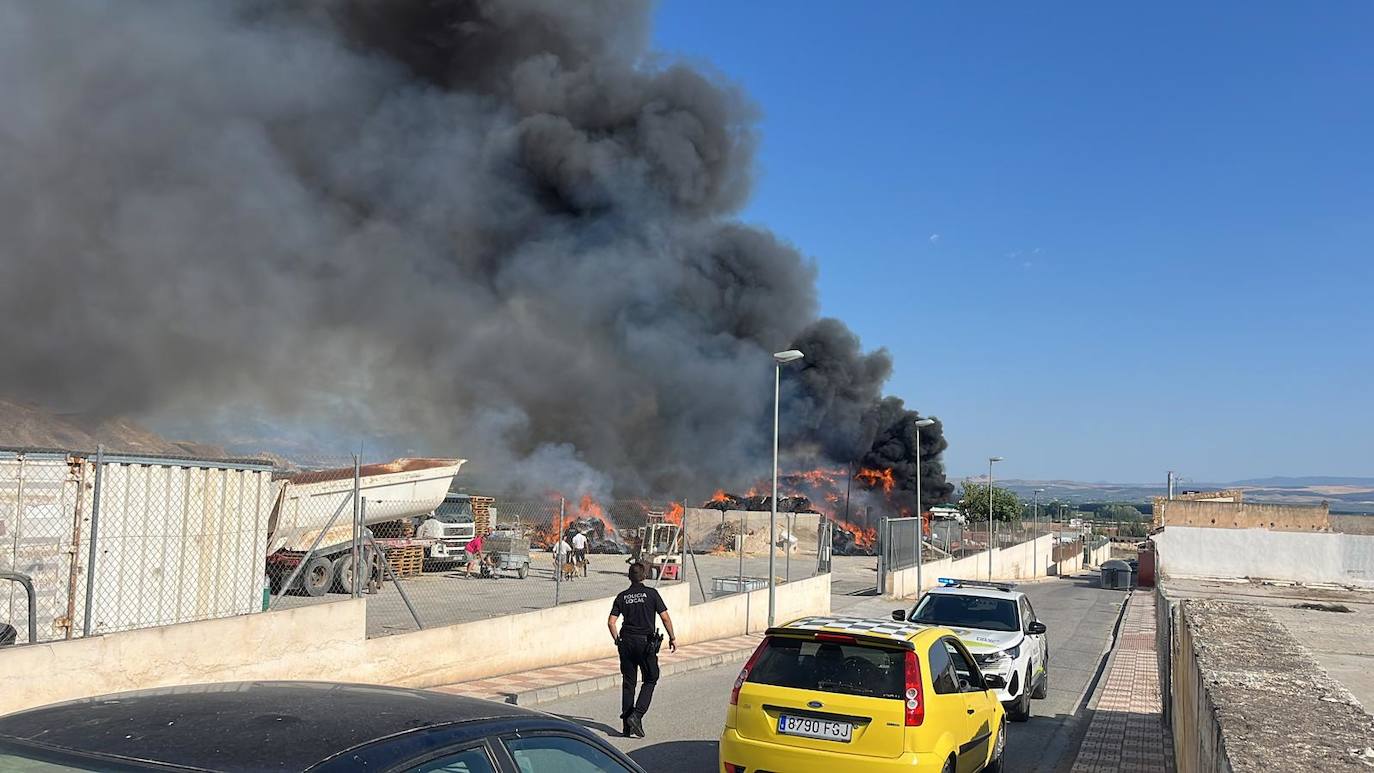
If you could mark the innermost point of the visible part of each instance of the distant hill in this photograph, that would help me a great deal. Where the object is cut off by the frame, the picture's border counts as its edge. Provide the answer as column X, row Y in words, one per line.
column 1311, row 480
column 1342, row 494
column 26, row 425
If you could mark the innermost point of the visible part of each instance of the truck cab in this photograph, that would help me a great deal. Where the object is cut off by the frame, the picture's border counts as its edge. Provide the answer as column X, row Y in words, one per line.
column 452, row 526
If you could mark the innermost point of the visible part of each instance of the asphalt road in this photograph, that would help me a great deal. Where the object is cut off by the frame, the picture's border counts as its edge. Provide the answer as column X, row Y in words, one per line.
column 688, row 710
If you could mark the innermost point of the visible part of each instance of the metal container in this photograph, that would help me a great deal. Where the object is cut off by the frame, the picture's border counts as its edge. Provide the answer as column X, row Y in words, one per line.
column 178, row 539
column 1116, row 575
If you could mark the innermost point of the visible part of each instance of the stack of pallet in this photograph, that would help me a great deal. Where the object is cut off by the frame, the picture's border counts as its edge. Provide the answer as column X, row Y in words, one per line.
column 408, row 561
column 481, row 513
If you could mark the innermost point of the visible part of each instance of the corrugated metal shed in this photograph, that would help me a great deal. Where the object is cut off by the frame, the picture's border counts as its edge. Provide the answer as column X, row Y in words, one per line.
column 179, row 539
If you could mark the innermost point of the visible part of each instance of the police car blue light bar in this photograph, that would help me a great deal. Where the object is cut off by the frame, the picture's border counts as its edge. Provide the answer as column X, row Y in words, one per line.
column 951, row 582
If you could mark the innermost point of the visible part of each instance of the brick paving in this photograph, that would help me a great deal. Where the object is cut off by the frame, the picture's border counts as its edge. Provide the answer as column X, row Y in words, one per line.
column 1127, row 732
column 511, row 687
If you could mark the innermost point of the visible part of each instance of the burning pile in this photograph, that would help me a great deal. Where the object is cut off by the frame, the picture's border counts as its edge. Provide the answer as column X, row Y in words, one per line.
column 832, row 493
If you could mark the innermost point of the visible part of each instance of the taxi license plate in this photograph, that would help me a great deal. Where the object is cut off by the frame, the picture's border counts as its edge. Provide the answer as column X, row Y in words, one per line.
column 815, row 728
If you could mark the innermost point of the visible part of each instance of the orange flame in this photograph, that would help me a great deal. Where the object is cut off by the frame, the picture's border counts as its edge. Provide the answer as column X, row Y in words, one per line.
column 674, row 514
column 876, row 478
column 589, row 508
column 718, row 498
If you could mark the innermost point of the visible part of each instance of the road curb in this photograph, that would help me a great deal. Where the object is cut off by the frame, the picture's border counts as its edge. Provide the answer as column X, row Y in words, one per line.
column 597, row 684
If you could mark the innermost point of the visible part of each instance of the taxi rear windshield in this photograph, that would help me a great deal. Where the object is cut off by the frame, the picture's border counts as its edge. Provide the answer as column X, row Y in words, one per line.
column 851, row 669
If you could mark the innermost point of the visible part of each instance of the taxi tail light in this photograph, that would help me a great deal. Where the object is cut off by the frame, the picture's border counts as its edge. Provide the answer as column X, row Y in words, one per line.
column 744, row 672
column 914, row 696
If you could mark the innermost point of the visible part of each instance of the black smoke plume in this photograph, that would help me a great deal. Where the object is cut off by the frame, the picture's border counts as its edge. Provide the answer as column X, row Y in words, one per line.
column 498, row 228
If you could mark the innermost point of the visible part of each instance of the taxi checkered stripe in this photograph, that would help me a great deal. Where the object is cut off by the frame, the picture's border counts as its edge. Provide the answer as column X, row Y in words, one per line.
column 858, row 625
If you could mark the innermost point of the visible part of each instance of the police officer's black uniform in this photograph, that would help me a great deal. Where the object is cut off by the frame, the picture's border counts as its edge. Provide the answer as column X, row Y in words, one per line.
column 639, row 605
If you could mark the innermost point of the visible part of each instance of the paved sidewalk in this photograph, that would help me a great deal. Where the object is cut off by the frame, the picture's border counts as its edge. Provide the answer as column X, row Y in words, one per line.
column 1126, row 732
column 549, row 684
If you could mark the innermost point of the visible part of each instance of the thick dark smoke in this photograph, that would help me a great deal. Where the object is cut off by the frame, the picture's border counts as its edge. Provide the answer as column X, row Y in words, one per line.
column 502, row 227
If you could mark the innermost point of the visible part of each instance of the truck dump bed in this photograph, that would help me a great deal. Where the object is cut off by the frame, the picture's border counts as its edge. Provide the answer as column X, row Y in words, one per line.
column 402, row 488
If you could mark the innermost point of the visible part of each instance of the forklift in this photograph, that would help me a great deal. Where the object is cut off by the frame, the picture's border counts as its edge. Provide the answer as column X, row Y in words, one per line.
column 658, row 544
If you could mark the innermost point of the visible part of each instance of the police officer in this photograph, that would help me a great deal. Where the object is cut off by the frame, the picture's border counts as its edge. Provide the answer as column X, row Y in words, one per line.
column 637, row 645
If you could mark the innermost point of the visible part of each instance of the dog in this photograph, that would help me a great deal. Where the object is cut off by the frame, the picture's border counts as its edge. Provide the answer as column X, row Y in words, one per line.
column 569, row 570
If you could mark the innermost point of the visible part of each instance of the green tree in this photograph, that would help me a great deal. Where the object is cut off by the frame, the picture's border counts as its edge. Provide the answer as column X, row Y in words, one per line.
column 1120, row 512
column 973, row 500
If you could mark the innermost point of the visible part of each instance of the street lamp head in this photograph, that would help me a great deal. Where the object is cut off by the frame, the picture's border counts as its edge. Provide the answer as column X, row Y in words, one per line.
column 787, row 356
column 994, row 459
column 1039, row 491
column 923, row 423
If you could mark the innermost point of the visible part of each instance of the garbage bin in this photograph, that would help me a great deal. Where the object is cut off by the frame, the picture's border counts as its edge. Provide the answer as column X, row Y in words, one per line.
column 1116, row 575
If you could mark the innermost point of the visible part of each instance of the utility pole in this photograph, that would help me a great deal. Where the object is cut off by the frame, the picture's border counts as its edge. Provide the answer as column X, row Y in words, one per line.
column 991, row 459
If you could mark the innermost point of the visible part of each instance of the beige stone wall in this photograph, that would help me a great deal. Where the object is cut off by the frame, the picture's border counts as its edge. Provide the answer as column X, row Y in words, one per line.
column 328, row 642
column 1243, row 515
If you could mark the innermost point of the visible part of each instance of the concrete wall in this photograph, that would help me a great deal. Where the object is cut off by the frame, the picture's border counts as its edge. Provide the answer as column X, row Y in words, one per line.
column 1243, row 515
column 1321, row 557
column 1018, row 562
column 328, row 642
column 1353, row 524
column 1246, row 696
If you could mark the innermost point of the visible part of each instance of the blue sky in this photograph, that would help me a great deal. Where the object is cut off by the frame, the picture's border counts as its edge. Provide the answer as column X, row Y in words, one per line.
column 1154, row 220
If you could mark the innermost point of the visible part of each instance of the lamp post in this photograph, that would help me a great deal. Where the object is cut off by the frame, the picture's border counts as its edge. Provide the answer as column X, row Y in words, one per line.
column 920, row 511
column 1035, row 522
column 778, row 359
column 991, row 459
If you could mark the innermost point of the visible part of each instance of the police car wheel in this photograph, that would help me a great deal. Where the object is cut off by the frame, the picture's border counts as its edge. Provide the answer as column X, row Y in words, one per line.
column 1020, row 710
column 1043, row 688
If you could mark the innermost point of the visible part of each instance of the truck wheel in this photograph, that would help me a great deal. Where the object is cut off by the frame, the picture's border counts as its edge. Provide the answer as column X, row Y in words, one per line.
column 343, row 572
column 524, row 571
column 317, row 577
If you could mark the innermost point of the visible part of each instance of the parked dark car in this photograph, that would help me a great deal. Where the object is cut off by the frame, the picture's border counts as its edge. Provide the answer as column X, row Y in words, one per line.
column 299, row 726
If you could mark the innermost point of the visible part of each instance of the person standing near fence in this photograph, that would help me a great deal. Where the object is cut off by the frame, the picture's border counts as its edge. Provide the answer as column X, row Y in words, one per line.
column 638, row 642
column 579, row 548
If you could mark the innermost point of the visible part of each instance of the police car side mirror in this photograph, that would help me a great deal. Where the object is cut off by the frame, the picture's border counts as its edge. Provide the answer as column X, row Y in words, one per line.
column 993, row 682
column 899, row 615
column 1035, row 628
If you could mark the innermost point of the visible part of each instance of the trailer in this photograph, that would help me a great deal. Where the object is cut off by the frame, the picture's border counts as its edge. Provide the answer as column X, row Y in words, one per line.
column 314, row 516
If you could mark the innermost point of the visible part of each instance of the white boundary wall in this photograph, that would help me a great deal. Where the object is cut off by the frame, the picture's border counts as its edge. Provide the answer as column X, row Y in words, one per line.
column 1018, row 562
column 1310, row 557
column 329, row 642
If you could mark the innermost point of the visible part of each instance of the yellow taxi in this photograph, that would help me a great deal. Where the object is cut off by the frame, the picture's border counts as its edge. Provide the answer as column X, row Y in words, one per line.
column 828, row 694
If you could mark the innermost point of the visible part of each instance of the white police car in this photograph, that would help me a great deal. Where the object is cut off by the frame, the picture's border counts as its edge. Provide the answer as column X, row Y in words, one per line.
column 998, row 626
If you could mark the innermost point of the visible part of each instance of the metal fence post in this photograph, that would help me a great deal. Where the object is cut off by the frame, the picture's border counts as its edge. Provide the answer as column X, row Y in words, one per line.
column 884, row 538
column 95, row 533
column 357, row 524
column 557, row 547
column 386, row 568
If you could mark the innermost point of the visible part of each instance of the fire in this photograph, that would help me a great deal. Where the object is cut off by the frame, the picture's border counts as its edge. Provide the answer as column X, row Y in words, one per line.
column 863, row 537
column 674, row 514
column 719, row 498
column 589, row 508
column 876, row 478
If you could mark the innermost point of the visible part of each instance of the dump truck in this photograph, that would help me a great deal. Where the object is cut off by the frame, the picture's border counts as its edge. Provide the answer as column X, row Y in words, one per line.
column 315, row 508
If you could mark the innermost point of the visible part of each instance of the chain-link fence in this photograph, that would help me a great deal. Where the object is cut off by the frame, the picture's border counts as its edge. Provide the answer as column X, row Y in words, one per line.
column 117, row 542
column 948, row 538
column 728, row 551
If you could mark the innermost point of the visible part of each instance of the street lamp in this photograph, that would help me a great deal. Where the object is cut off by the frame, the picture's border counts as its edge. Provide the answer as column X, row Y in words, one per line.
column 779, row 359
column 991, row 459
column 1035, row 521
column 920, row 511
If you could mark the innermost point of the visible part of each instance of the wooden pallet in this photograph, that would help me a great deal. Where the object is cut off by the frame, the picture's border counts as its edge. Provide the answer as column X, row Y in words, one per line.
column 481, row 513
column 406, row 562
